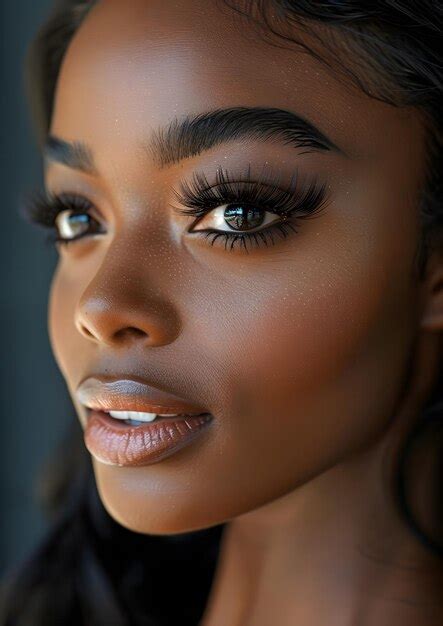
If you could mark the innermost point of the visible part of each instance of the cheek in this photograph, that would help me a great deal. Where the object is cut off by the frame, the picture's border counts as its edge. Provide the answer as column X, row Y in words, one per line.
column 63, row 335
column 313, row 347
column 336, row 338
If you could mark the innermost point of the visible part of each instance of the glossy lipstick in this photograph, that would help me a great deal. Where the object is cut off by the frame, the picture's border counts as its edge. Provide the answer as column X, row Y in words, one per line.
column 116, row 442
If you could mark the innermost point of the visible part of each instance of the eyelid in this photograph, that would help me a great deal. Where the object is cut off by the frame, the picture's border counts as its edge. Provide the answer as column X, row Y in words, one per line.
column 226, row 184
column 198, row 196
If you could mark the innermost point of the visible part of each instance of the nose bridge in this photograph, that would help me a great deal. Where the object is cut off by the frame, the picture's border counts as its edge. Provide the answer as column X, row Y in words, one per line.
column 129, row 296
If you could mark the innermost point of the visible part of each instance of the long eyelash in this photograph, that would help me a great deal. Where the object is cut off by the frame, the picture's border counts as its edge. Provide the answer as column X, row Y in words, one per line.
column 298, row 201
column 42, row 208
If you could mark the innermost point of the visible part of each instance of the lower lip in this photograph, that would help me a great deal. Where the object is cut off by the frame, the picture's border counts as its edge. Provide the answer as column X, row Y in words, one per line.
column 114, row 442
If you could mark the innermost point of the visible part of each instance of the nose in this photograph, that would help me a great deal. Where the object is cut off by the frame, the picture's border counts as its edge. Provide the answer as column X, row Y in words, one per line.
column 116, row 309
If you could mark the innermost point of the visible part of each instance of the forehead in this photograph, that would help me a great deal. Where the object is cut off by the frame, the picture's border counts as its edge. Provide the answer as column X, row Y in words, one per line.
column 135, row 64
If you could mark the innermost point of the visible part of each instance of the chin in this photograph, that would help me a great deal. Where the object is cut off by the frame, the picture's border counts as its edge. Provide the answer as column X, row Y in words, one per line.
column 144, row 506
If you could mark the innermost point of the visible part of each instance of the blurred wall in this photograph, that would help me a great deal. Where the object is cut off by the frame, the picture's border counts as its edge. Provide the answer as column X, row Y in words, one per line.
column 34, row 405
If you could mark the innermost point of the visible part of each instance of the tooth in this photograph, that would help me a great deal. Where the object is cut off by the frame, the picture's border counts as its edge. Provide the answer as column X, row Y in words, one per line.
column 134, row 415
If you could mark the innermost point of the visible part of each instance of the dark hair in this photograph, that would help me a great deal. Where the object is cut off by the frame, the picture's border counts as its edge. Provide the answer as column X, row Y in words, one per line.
column 91, row 570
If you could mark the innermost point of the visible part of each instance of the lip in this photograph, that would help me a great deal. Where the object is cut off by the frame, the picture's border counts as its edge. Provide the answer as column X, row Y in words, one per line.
column 127, row 394
column 115, row 442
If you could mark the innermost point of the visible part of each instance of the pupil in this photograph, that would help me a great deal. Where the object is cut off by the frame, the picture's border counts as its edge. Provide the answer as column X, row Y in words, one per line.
column 241, row 216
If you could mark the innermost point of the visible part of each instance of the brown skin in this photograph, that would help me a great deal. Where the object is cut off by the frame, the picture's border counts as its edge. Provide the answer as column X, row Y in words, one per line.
column 300, row 350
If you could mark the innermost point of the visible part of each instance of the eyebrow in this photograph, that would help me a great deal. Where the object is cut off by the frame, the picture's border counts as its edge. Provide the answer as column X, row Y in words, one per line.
column 192, row 135
column 76, row 155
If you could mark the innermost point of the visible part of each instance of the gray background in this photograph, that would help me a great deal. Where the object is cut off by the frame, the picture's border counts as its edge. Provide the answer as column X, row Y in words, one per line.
column 34, row 407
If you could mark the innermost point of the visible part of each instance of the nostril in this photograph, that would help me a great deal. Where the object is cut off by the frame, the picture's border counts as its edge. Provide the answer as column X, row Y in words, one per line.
column 86, row 331
column 130, row 331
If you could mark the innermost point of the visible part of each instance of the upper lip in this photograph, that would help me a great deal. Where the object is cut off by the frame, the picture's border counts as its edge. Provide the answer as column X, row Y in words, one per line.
column 127, row 394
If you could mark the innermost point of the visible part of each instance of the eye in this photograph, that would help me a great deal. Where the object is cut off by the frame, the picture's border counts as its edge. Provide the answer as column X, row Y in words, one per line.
column 249, row 212
column 244, row 224
column 72, row 225
column 67, row 216
column 237, row 217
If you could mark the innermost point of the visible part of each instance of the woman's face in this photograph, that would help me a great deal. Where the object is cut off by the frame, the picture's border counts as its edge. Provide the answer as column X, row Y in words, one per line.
column 297, row 345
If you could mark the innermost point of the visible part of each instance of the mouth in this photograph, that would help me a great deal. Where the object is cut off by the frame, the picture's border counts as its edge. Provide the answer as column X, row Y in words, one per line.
column 132, row 443
column 130, row 423
column 137, row 418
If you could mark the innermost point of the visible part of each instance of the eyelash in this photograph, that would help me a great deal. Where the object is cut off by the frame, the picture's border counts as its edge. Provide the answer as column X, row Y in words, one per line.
column 295, row 203
column 42, row 209
column 201, row 197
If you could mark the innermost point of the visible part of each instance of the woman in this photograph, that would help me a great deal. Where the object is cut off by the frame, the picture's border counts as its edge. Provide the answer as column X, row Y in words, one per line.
column 246, row 201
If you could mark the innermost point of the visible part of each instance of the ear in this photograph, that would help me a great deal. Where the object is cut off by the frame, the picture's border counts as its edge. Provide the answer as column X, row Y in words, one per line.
column 432, row 317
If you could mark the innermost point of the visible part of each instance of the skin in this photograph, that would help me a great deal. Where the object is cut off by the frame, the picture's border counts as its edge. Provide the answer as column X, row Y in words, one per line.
column 300, row 350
